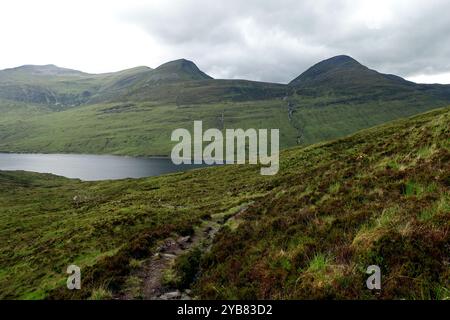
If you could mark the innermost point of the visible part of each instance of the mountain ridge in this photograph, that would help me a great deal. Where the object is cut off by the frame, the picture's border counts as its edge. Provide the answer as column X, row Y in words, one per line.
column 183, row 64
column 133, row 112
column 342, row 74
column 44, row 70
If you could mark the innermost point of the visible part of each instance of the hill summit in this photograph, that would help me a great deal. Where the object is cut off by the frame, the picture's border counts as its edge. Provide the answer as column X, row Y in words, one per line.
column 180, row 69
column 343, row 73
column 43, row 70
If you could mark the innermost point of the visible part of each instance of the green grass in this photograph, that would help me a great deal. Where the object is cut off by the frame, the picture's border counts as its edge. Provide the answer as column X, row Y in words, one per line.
column 133, row 112
column 308, row 232
column 134, row 128
column 44, row 229
column 369, row 219
column 144, row 128
column 101, row 294
column 319, row 263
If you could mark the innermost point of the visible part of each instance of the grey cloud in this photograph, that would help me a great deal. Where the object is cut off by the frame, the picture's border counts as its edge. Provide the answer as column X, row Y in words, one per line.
column 277, row 40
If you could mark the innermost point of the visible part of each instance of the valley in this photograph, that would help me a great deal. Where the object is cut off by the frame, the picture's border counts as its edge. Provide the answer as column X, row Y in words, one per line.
column 379, row 196
column 363, row 179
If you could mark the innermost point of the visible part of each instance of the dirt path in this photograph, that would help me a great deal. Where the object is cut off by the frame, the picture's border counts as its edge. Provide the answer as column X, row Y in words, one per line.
column 147, row 281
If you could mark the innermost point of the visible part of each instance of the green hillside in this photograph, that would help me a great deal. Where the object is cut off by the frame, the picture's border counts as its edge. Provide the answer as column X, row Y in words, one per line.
column 50, row 109
column 130, row 128
column 380, row 196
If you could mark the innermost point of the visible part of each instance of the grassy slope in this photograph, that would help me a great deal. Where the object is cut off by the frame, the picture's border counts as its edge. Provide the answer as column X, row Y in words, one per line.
column 144, row 128
column 48, row 222
column 333, row 116
column 378, row 197
column 136, row 128
column 133, row 112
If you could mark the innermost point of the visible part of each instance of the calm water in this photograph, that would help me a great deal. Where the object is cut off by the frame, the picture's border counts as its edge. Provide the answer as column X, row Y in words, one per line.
column 90, row 167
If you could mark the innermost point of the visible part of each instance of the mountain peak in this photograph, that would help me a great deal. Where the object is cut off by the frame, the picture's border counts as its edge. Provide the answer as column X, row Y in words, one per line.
column 326, row 69
column 181, row 69
column 340, row 60
column 180, row 61
column 344, row 74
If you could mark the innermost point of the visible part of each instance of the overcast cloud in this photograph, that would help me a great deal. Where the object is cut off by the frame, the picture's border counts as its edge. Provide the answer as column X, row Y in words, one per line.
column 269, row 40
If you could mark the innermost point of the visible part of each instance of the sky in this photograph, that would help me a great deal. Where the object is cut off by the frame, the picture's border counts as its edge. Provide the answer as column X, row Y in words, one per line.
column 265, row 40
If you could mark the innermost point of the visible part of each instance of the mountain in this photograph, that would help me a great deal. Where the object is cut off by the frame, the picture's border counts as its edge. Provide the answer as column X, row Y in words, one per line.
column 179, row 81
column 182, row 82
column 379, row 197
column 61, row 88
column 149, row 83
column 346, row 75
column 343, row 75
column 133, row 112
column 47, row 85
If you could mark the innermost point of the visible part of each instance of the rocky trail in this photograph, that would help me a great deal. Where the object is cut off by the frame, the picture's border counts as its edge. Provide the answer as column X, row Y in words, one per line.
column 147, row 282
